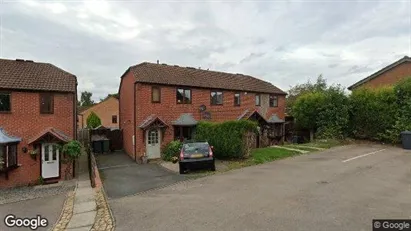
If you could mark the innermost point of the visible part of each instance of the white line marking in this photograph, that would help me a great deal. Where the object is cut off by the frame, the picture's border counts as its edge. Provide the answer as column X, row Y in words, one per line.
column 367, row 154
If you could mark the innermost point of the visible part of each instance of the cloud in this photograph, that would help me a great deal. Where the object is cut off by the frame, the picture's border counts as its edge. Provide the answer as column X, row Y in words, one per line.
column 281, row 42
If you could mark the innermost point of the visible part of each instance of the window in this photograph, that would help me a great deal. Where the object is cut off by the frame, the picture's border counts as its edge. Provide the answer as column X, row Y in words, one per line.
column 114, row 119
column 257, row 99
column 183, row 133
column 236, row 99
column 8, row 155
column 46, row 103
column 273, row 101
column 5, row 102
column 216, row 98
column 155, row 95
column 183, row 96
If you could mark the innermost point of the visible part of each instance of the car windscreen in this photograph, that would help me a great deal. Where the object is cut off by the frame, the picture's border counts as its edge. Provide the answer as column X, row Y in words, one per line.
column 196, row 148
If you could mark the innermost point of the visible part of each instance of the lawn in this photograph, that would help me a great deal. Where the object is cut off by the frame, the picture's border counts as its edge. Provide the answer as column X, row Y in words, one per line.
column 260, row 156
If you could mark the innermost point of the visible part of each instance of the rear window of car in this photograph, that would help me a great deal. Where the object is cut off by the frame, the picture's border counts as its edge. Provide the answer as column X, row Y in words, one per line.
column 196, row 148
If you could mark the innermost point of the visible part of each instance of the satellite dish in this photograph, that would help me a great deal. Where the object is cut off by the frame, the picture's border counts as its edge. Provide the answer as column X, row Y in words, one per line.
column 202, row 107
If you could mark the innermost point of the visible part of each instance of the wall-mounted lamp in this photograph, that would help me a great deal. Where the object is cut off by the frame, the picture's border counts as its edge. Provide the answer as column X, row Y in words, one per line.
column 24, row 149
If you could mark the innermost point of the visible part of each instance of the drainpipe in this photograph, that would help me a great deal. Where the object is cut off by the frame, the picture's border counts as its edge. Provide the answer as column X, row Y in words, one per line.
column 134, row 124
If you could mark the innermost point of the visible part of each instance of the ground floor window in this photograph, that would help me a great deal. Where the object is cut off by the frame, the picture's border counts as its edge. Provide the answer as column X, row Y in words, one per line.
column 8, row 156
column 183, row 133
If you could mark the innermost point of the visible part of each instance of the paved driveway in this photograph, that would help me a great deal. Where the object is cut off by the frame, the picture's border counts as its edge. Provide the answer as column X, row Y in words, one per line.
column 339, row 189
column 122, row 176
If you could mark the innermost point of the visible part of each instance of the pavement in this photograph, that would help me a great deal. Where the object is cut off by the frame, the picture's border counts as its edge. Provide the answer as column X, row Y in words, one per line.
column 342, row 188
column 48, row 207
column 123, row 177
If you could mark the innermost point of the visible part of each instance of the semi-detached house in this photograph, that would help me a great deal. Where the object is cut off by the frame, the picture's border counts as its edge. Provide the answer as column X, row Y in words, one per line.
column 160, row 103
column 37, row 116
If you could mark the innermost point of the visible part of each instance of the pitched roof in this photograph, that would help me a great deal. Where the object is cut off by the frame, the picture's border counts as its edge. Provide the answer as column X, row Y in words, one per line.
column 29, row 75
column 52, row 131
column 150, row 120
column 376, row 74
column 274, row 119
column 185, row 119
column 6, row 138
column 189, row 76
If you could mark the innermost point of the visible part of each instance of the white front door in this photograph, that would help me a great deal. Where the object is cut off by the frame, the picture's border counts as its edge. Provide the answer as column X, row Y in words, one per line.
column 153, row 141
column 50, row 157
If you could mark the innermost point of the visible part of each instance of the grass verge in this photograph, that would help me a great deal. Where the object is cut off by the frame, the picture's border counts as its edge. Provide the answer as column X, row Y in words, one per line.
column 323, row 143
column 260, row 156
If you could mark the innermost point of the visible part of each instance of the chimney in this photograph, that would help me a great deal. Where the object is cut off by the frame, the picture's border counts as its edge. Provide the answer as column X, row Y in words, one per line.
column 20, row 60
column 158, row 61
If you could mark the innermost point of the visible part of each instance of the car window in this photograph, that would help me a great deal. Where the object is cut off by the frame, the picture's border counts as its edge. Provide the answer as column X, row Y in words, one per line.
column 196, row 148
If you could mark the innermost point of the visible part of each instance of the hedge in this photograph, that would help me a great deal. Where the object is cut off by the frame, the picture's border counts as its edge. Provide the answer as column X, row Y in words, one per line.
column 374, row 114
column 226, row 137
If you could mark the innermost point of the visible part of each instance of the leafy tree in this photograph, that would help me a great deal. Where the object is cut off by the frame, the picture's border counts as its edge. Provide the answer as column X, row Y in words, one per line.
column 93, row 120
column 305, row 110
column 85, row 99
column 301, row 89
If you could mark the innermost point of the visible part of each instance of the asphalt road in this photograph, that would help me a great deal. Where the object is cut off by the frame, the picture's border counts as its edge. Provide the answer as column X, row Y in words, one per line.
column 338, row 189
column 47, row 207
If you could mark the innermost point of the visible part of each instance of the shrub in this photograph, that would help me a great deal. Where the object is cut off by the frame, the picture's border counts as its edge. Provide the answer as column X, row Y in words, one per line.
column 171, row 150
column 372, row 113
column 93, row 120
column 226, row 137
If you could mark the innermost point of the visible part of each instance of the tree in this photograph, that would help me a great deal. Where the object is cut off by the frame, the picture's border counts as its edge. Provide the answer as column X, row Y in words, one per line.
column 93, row 120
column 305, row 111
column 85, row 99
column 301, row 89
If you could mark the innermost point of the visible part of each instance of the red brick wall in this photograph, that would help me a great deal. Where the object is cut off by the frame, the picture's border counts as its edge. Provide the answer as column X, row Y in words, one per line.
column 126, row 112
column 105, row 110
column 25, row 121
column 390, row 77
column 169, row 110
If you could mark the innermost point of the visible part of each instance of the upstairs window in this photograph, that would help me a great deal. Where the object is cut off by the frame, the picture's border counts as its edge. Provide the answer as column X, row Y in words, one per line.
column 114, row 119
column 257, row 99
column 237, row 100
column 155, row 95
column 273, row 101
column 216, row 98
column 5, row 102
column 46, row 103
column 183, row 96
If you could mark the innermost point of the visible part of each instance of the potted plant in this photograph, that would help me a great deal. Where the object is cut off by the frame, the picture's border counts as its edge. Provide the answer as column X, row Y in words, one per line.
column 33, row 153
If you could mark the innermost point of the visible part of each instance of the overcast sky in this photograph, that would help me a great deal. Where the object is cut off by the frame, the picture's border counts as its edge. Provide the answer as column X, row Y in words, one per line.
column 284, row 42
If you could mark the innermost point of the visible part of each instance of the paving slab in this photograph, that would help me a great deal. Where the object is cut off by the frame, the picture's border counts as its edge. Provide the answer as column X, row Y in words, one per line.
column 82, row 219
column 84, row 207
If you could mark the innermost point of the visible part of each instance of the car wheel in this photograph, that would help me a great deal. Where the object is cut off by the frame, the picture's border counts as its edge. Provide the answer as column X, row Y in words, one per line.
column 182, row 169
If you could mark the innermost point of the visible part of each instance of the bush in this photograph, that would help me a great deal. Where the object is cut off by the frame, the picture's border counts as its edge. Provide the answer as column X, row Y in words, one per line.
column 171, row 150
column 93, row 120
column 372, row 113
column 226, row 137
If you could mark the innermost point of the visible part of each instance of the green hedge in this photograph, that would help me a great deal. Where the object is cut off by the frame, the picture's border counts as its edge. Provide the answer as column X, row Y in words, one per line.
column 226, row 137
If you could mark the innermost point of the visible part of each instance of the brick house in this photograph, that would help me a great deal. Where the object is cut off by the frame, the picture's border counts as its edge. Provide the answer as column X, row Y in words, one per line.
column 387, row 76
column 160, row 103
column 107, row 110
column 37, row 113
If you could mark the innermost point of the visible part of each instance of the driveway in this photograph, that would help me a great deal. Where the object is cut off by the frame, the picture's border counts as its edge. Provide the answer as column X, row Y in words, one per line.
column 343, row 188
column 123, row 177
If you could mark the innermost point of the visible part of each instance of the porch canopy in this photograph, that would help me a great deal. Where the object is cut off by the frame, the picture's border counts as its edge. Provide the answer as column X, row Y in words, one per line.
column 275, row 120
column 185, row 119
column 152, row 121
column 7, row 139
column 50, row 135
